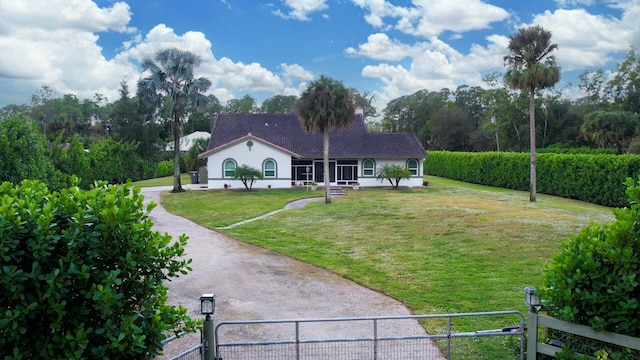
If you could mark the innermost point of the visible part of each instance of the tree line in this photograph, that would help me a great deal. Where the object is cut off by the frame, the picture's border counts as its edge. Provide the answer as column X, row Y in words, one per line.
column 473, row 118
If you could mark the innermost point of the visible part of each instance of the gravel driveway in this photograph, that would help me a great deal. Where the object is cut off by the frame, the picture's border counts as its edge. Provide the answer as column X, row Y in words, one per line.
column 252, row 283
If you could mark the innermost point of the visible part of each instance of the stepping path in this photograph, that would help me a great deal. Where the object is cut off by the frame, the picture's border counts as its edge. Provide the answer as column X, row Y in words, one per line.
column 253, row 283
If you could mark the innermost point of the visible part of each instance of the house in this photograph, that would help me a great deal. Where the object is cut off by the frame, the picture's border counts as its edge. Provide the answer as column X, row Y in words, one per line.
column 288, row 156
column 187, row 141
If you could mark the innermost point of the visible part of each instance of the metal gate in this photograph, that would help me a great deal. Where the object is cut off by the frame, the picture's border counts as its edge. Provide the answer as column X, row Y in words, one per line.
column 193, row 353
column 452, row 336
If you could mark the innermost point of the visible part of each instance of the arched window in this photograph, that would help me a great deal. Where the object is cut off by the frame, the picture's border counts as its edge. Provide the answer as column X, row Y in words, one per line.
column 368, row 167
column 229, row 168
column 413, row 165
column 269, row 168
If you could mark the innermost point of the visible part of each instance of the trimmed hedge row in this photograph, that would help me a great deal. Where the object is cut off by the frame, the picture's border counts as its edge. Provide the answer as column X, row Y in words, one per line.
column 597, row 179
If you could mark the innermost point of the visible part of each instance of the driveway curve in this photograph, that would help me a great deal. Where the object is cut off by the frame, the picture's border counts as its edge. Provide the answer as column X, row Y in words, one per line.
column 252, row 283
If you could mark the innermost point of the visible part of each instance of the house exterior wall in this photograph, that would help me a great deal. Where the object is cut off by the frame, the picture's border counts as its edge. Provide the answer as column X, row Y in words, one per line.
column 254, row 157
column 371, row 181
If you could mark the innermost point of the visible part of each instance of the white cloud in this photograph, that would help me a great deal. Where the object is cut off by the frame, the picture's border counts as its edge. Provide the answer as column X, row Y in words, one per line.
column 47, row 43
column 380, row 47
column 300, row 9
column 429, row 18
column 584, row 39
column 295, row 72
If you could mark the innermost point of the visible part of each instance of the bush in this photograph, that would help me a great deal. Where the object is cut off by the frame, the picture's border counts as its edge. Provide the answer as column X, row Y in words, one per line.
column 596, row 179
column 83, row 273
column 594, row 280
column 165, row 168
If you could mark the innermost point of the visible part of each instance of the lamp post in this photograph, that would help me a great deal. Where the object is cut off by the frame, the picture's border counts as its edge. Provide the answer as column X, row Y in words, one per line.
column 308, row 171
column 207, row 308
column 532, row 299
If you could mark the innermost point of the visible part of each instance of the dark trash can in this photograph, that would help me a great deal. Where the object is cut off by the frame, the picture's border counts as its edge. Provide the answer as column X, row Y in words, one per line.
column 194, row 177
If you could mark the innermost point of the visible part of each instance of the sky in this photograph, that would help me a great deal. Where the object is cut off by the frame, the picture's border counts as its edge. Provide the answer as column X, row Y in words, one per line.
column 388, row 48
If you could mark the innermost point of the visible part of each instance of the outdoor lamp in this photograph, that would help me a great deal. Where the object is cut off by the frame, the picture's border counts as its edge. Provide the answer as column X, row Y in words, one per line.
column 207, row 304
column 531, row 299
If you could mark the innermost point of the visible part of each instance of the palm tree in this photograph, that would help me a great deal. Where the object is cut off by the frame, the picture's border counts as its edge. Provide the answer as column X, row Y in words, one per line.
column 526, row 71
column 171, row 84
column 324, row 105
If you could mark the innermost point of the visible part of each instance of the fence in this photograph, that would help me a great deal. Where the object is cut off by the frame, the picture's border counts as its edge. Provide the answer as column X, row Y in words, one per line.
column 193, row 353
column 577, row 339
column 372, row 338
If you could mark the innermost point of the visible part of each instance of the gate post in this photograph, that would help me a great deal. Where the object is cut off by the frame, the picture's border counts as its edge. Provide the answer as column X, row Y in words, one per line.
column 209, row 341
column 207, row 308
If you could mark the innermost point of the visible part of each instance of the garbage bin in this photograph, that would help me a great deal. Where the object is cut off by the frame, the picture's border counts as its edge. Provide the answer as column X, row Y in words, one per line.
column 194, row 177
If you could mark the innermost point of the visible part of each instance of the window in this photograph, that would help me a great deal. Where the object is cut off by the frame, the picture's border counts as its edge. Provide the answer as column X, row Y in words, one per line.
column 269, row 168
column 368, row 167
column 412, row 164
column 229, row 168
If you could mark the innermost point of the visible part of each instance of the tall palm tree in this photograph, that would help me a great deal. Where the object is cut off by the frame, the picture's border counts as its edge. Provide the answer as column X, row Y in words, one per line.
column 171, row 83
column 324, row 105
column 529, row 67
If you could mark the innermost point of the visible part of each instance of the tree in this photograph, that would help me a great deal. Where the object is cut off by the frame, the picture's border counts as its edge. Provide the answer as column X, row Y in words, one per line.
column 84, row 274
column 171, row 83
column 191, row 160
column 324, row 105
column 625, row 86
column 278, row 104
column 24, row 151
column 610, row 128
column 393, row 173
column 246, row 105
column 247, row 175
column 526, row 71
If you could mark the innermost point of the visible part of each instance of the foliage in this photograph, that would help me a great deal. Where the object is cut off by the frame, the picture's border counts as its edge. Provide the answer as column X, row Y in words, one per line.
column 594, row 279
column 626, row 83
column 610, row 128
column 171, row 84
column 83, row 273
column 247, row 175
column 324, row 105
column 116, row 162
column 74, row 161
column 393, row 173
column 592, row 178
column 279, row 104
column 165, row 168
column 191, row 161
column 24, row 151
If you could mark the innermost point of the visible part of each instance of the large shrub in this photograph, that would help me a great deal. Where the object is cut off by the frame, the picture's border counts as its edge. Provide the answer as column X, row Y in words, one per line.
column 594, row 280
column 23, row 151
column 593, row 178
column 82, row 274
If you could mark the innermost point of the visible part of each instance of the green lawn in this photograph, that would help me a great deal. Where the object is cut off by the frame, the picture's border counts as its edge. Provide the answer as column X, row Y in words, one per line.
column 163, row 181
column 446, row 248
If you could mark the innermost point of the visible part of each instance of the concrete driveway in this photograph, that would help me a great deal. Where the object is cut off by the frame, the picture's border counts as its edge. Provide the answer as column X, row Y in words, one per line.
column 252, row 283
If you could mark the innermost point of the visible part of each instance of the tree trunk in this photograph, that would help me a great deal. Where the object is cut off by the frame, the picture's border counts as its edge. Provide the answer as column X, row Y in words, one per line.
column 532, row 141
column 177, row 186
column 327, row 174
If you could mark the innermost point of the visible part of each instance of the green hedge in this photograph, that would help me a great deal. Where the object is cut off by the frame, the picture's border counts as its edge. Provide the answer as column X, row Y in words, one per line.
column 597, row 179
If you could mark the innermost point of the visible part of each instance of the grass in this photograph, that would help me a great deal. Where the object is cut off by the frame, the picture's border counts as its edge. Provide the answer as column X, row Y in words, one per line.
column 163, row 181
column 449, row 247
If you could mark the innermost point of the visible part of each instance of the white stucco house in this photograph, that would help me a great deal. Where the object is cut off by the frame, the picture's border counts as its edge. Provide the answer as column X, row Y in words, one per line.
column 288, row 156
column 187, row 141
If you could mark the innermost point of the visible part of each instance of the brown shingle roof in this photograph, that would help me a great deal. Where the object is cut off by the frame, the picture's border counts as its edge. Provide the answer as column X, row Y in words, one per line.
column 285, row 131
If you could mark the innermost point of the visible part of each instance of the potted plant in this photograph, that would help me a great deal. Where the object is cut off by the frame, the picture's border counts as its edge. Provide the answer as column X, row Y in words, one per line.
column 314, row 185
column 356, row 186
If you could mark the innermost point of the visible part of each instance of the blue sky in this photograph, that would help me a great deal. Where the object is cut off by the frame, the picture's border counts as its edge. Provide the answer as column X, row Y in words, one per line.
column 389, row 48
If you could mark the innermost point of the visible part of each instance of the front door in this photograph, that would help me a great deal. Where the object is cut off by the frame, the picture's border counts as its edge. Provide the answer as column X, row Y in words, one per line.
column 319, row 171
